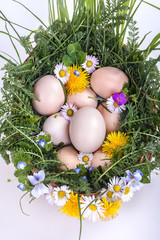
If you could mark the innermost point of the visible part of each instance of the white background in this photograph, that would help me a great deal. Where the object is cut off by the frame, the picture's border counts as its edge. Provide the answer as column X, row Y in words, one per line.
column 138, row 219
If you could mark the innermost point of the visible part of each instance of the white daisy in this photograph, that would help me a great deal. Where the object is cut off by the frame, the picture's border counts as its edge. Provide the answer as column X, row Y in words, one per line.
column 85, row 159
column 127, row 192
column 94, row 210
column 90, row 64
column 68, row 110
column 114, row 107
column 61, row 72
column 109, row 195
column 61, row 195
column 49, row 197
column 115, row 185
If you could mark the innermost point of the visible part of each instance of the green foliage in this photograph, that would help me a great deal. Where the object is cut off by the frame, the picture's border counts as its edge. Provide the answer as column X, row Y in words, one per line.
column 74, row 55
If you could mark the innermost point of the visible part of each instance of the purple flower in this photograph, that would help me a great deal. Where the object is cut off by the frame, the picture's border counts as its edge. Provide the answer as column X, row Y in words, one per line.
column 21, row 186
column 85, row 178
column 21, row 165
column 36, row 180
column 120, row 99
column 134, row 179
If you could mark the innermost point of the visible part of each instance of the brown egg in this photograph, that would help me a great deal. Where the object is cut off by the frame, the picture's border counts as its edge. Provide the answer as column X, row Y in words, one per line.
column 106, row 81
column 112, row 120
column 68, row 156
column 58, row 127
column 82, row 99
column 96, row 160
column 50, row 95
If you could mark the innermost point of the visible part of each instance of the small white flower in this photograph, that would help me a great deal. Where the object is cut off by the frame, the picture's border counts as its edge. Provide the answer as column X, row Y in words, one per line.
column 90, row 64
column 114, row 107
column 95, row 209
column 49, row 196
column 61, row 72
column 85, row 159
column 115, row 185
column 127, row 192
column 61, row 195
column 109, row 195
column 68, row 110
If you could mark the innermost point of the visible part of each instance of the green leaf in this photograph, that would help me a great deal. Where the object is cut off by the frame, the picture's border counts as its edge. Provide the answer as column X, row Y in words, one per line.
column 22, row 179
column 67, row 60
column 81, row 57
column 48, row 146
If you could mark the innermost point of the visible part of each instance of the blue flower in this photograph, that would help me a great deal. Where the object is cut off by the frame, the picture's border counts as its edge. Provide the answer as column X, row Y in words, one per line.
column 134, row 179
column 21, row 186
column 42, row 143
column 77, row 170
column 90, row 169
column 36, row 180
column 85, row 178
column 77, row 73
column 21, row 165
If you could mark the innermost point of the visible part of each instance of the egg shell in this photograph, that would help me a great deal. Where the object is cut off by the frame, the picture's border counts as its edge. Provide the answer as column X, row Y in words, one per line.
column 112, row 120
column 68, row 156
column 87, row 129
column 58, row 127
column 82, row 99
column 96, row 160
column 106, row 81
column 50, row 95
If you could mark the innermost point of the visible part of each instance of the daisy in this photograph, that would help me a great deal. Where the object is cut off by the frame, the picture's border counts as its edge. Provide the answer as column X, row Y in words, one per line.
column 61, row 72
column 90, row 64
column 116, row 103
column 78, row 80
column 85, row 159
column 127, row 192
column 109, row 195
column 61, row 195
column 115, row 185
column 94, row 211
column 113, row 142
column 68, row 110
column 49, row 196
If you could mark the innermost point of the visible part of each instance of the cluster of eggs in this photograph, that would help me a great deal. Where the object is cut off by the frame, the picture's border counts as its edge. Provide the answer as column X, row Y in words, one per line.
column 90, row 124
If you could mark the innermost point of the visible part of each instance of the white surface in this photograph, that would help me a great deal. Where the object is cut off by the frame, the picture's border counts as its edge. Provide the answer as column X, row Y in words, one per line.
column 138, row 219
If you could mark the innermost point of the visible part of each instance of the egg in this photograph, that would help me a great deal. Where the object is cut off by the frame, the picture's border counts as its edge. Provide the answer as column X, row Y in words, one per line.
column 97, row 159
column 87, row 129
column 82, row 99
column 106, row 81
column 68, row 156
column 50, row 95
column 58, row 127
column 112, row 120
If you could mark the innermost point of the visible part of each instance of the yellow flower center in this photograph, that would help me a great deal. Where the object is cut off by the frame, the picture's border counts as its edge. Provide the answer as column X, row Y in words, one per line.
column 117, row 188
column 127, row 190
column 109, row 194
column 93, row 207
column 85, row 159
column 70, row 112
column 89, row 63
column 115, row 104
column 61, row 194
column 62, row 73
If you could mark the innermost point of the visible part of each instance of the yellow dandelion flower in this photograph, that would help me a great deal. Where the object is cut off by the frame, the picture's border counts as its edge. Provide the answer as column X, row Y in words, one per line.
column 78, row 80
column 71, row 207
column 113, row 141
column 111, row 208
